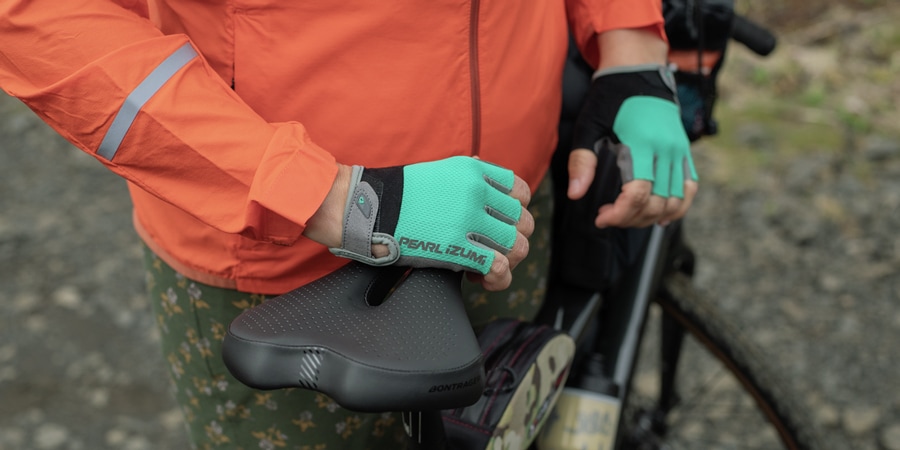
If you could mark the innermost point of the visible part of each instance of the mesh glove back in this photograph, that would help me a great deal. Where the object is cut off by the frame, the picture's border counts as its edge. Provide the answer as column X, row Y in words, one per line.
column 452, row 213
column 636, row 108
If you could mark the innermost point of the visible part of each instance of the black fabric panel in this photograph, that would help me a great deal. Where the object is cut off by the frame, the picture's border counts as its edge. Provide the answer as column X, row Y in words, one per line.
column 388, row 184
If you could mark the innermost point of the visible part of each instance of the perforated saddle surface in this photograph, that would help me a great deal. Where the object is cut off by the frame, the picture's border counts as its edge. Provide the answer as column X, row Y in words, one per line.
column 373, row 339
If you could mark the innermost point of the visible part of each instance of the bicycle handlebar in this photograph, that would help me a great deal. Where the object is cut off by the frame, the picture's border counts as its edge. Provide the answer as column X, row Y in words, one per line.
column 754, row 36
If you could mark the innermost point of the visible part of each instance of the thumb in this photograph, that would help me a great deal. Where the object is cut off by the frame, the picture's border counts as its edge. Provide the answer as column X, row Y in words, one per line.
column 582, row 165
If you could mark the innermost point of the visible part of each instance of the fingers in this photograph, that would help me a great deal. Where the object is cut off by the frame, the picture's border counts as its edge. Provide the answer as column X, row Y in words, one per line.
column 679, row 209
column 634, row 207
column 637, row 207
column 521, row 192
column 582, row 166
column 500, row 275
column 508, row 206
column 525, row 227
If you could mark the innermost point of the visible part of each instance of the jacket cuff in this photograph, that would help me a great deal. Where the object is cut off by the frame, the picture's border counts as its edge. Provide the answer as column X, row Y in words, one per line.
column 588, row 19
column 289, row 188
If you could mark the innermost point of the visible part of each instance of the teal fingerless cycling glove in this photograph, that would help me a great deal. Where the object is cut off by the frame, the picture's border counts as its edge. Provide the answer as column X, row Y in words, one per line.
column 636, row 107
column 452, row 213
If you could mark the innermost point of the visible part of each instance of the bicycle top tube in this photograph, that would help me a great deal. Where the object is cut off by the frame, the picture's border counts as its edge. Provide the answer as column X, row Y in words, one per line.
column 373, row 339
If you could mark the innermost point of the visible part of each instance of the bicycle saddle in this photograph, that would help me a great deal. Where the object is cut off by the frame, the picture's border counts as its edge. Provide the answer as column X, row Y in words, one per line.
column 374, row 339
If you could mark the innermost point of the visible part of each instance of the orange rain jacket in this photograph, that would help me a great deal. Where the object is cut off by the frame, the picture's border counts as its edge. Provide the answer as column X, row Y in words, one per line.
column 227, row 117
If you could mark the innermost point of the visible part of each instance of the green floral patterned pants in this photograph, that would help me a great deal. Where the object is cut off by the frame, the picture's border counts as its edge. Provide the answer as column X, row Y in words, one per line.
column 221, row 413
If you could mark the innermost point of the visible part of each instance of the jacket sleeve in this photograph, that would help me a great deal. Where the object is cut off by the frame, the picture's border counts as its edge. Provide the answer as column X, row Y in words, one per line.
column 588, row 18
column 153, row 111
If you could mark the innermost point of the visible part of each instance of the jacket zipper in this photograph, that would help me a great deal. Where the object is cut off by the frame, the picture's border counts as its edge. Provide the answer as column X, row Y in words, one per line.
column 473, row 76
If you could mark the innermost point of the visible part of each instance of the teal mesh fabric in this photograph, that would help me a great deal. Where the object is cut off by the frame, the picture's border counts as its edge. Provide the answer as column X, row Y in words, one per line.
column 647, row 125
column 472, row 192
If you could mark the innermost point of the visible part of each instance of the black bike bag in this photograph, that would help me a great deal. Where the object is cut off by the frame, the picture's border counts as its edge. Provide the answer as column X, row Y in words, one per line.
column 373, row 339
column 527, row 365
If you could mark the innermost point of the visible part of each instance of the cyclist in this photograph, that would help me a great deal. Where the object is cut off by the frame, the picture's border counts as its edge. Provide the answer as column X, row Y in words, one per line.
column 261, row 138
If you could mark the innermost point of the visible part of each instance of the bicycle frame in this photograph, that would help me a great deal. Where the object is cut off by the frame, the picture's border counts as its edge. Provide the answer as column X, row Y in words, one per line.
column 577, row 311
column 611, row 323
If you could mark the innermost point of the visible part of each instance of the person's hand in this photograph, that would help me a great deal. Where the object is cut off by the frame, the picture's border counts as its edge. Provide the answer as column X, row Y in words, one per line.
column 500, row 275
column 635, row 108
column 458, row 213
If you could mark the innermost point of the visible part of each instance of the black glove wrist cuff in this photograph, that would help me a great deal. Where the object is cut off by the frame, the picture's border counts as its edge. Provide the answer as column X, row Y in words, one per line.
column 609, row 89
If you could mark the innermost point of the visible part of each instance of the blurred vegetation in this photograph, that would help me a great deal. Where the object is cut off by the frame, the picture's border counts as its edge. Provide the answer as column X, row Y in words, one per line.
column 790, row 14
column 829, row 92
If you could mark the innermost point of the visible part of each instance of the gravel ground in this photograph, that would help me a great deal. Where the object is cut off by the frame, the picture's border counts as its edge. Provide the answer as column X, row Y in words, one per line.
column 805, row 255
column 79, row 365
column 819, row 294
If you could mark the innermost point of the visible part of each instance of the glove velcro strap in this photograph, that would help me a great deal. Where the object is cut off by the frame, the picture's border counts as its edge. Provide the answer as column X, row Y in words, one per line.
column 360, row 216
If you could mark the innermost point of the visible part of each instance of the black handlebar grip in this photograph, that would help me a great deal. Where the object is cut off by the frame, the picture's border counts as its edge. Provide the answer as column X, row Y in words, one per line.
column 758, row 39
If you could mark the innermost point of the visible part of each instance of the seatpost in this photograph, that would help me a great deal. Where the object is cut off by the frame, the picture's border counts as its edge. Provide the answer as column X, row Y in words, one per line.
column 425, row 430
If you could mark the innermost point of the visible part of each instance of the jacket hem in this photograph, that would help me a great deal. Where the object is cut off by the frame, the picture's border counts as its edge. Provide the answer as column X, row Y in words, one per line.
column 189, row 272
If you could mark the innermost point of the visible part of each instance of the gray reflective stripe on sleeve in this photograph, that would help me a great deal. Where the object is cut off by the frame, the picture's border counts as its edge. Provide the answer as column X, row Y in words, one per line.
column 136, row 99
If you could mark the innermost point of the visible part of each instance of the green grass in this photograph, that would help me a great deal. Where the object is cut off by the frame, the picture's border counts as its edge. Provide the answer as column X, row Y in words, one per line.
column 764, row 137
column 769, row 134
